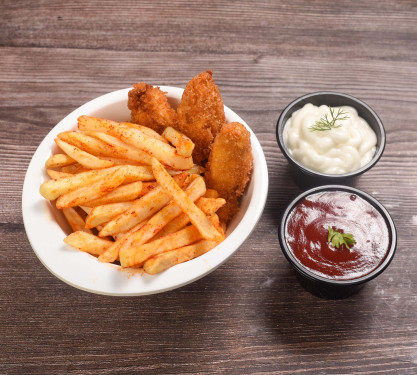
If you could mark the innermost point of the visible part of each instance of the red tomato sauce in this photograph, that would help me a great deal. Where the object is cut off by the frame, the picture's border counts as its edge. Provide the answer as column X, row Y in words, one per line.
column 307, row 234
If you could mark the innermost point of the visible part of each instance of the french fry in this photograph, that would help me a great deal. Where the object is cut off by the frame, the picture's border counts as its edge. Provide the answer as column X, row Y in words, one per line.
column 162, row 262
column 208, row 205
column 88, row 242
column 54, row 188
column 143, row 208
column 75, row 220
column 112, row 253
column 118, row 161
column 160, row 150
column 58, row 161
column 131, row 256
column 195, row 169
column 116, row 237
column 86, row 209
column 197, row 217
column 84, row 158
column 102, row 214
column 135, row 255
column 195, row 190
column 88, row 193
column 182, row 143
column 147, row 187
column 122, row 193
column 55, row 175
column 123, row 150
column 86, row 143
column 74, row 168
column 211, row 193
column 148, row 131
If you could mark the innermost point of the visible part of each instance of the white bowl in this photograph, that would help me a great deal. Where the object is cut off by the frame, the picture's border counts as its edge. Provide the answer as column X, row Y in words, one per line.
column 46, row 228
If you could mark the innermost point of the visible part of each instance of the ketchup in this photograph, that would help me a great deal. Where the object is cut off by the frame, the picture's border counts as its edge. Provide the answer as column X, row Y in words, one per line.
column 307, row 230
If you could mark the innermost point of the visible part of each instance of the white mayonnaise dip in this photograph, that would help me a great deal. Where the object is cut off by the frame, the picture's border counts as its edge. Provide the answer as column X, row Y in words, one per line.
column 337, row 151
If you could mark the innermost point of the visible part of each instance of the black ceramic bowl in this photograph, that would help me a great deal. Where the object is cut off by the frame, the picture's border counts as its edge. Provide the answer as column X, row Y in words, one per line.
column 326, row 287
column 306, row 177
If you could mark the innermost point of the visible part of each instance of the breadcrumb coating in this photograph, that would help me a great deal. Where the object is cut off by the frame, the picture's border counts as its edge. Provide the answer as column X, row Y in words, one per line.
column 229, row 167
column 149, row 107
column 201, row 114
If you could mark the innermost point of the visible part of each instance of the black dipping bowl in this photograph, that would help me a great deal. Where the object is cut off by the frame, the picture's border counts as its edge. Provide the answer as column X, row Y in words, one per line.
column 326, row 287
column 306, row 177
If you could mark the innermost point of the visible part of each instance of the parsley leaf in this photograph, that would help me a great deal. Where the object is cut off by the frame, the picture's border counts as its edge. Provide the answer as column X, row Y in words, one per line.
column 338, row 239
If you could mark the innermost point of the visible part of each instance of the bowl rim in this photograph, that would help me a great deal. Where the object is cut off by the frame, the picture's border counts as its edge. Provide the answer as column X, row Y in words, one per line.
column 34, row 204
column 279, row 136
column 303, row 271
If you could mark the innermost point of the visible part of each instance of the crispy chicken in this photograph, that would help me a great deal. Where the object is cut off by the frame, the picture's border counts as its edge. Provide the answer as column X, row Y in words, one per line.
column 149, row 107
column 229, row 166
column 201, row 114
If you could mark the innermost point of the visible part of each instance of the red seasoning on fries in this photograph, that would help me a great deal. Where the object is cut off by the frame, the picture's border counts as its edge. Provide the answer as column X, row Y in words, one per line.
column 135, row 196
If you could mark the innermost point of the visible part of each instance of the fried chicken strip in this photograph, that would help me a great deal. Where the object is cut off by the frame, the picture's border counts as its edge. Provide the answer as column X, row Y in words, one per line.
column 201, row 114
column 149, row 107
column 229, row 166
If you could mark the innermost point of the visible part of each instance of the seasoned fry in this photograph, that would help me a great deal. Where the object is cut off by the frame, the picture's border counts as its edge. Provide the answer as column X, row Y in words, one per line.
column 162, row 151
column 131, row 256
column 102, row 214
column 123, row 150
column 148, row 131
column 195, row 169
column 162, row 262
column 88, row 242
column 75, row 220
column 136, row 255
column 118, row 161
column 74, row 168
column 141, row 210
column 208, row 205
column 88, row 193
column 211, row 193
column 123, row 193
column 144, row 207
column 84, row 158
column 195, row 190
column 54, row 188
column 196, row 216
column 87, row 143
column 58, row 161
column 86, row 209
column 147, row 187
column 56, row 174
column 112, row 253
column 182, row 143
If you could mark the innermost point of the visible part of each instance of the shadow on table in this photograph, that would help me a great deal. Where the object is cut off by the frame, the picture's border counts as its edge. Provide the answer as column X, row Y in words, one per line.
column 299, row 318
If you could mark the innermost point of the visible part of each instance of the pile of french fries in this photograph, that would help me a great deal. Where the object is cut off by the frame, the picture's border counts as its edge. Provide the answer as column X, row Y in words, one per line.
column 132, row 195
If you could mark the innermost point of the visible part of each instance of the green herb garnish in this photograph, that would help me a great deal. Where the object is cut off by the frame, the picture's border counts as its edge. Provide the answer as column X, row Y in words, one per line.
column 338, row 239
column 328, row 124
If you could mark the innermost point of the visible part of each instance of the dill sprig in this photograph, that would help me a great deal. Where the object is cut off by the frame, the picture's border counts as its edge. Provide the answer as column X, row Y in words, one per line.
column 326, row 123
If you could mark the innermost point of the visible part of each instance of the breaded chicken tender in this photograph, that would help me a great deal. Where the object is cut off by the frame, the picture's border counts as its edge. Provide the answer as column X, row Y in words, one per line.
column 229, row 166
column 201, row 114
column 149, row 107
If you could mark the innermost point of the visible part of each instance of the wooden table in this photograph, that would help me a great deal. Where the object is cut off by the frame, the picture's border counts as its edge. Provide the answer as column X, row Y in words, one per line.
column 251, row 315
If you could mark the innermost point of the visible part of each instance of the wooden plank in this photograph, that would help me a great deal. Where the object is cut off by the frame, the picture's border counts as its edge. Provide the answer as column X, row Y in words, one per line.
column 251, row 315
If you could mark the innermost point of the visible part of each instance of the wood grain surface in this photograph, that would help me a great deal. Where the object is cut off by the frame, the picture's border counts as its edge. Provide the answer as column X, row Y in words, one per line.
column 250, row 316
